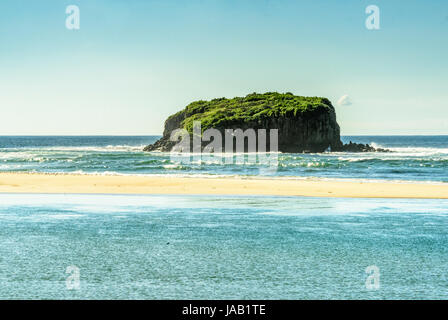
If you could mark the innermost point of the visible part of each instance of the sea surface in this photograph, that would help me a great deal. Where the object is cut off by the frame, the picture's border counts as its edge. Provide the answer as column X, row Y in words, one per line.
column 222, row 247
column 414, row 158
column 226, row 247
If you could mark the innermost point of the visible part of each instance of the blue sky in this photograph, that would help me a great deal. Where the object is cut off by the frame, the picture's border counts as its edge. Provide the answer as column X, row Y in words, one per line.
column 133, row 63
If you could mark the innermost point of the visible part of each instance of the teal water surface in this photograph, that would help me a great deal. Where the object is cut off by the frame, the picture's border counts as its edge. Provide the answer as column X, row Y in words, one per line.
column 207, row 247
column 414, row 158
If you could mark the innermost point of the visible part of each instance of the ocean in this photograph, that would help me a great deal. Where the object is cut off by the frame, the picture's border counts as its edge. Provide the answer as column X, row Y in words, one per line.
column 221, row 247
column 414, row 158
column 78, row 246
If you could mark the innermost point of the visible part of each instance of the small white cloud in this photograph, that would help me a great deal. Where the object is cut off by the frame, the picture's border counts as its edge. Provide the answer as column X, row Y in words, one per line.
column 344, row 100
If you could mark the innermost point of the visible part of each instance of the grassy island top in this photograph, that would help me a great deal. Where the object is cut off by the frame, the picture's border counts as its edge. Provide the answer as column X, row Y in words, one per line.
column 254, row 107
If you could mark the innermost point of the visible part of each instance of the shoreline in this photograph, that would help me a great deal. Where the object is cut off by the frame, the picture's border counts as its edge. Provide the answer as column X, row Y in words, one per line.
column 134, row 184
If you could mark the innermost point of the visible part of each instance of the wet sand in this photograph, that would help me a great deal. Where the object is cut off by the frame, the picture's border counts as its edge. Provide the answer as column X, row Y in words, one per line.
column 103, row 184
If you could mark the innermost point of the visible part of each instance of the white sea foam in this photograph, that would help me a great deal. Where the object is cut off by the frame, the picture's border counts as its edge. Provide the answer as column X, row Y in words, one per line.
column 172, row 166
column 109, row 148
column 419, row 151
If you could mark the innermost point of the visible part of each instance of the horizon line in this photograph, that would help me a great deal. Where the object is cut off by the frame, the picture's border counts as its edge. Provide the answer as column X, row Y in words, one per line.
column 151, row 135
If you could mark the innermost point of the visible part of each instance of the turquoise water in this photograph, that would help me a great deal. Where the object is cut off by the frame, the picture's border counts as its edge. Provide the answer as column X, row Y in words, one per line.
column 215, row 247
column 414, row 158
column 197, row 247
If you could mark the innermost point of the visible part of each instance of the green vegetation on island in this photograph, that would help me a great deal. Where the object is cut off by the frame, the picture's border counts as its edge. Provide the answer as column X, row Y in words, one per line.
column 255, row 107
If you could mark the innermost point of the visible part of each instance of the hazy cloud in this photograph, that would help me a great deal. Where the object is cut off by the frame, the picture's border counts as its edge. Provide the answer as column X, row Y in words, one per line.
column 344, row 100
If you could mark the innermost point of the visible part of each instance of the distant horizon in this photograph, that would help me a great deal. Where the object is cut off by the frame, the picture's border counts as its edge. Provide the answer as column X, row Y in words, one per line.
column 159, row 135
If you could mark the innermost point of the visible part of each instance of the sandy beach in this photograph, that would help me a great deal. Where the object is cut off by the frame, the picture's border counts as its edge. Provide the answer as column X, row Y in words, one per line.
column 103, row 184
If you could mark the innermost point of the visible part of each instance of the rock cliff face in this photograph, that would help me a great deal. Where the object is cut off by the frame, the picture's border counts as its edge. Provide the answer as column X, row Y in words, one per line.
column 305, row 124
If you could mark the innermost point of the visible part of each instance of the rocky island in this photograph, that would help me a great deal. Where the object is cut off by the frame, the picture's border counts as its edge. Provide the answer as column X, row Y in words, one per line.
column 305, row 124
